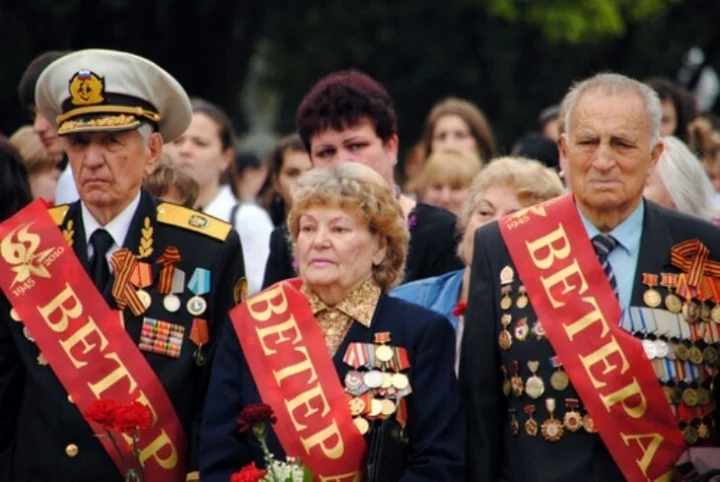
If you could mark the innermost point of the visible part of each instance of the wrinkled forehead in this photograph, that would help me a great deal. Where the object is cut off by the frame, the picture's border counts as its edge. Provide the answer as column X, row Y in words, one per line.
column 599, row 111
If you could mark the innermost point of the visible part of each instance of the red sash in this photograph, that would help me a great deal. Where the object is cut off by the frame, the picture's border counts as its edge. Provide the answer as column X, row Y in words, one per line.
column 295, row 375
column 82, row 339
column 607, row 366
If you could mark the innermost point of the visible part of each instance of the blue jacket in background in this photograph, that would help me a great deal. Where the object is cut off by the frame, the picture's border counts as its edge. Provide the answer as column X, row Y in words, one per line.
column 439, row 293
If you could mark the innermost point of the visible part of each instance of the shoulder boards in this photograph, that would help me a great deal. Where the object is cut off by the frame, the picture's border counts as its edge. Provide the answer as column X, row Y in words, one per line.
column 58, row 213
column 191, row 220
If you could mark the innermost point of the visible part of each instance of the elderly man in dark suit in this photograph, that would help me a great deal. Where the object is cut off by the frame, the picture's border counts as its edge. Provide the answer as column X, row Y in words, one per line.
column 590, row 347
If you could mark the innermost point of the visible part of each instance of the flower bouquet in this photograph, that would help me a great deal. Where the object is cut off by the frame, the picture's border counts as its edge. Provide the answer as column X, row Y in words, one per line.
column 130, row 420
column 254, row 419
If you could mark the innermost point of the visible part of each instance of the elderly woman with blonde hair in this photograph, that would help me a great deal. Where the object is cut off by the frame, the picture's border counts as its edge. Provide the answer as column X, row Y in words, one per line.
column 506, row 185
column 679, row 181
column 362, row 384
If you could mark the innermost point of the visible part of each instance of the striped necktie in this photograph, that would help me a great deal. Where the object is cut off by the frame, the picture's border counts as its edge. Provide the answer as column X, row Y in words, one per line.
column 604, row 244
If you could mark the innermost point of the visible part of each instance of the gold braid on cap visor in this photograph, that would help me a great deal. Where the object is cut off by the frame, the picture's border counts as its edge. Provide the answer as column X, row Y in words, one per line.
column 109, row 109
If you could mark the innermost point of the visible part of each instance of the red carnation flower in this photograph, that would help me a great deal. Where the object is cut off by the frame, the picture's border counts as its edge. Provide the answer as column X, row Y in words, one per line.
column 255, row 414
column 249, row 473
column 102, row 412
column 133, row 418
column 459, row 309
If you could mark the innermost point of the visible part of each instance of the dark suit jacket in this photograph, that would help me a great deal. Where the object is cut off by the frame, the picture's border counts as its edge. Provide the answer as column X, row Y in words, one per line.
column 497, row 454
column 432, row 250
column 37, row 421
column 436, row 423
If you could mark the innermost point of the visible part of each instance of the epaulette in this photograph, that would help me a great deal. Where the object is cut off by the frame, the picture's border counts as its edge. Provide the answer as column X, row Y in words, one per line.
column 58, row 213
column 191, row 220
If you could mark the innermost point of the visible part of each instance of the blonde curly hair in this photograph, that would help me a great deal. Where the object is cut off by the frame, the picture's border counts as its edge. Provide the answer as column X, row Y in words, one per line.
column 365, row 195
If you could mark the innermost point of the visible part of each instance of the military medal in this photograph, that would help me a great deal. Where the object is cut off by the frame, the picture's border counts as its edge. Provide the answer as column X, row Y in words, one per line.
column 559, row 379
column 41, row 360
column 551, row 429
column 171, row 302
column 672, row 302
column 200, row 336
column 695, row 355
column 572, row 420
column 506, row 381
column 506, row 302
column 521, row 329
column 651, row 297
column 690, row 310
column 141, row 278
column 517, row 387
column 27, row 335
column 710, row 355
column 538, row 330
column 383, row 352
column 690, row 397
column 144, row 298
column 354, row 383
column 589, row 424
column 357, row 406
column 703, row 431
column 169, row 283
column 400, row 381
column 14, row 315
column 362, row 425
column 649, row 347
column 534, row 386
column 704, row 293
column 199, row 285
column 505, row 339
column 161, row 338
column 661, row 348
column 531, row 426
column 690, row 434
column 375, row 407
column 514, row 424
column 373, row 378
column 522, row 300
column 388, row 407
column 703, row 395
column 507, row 275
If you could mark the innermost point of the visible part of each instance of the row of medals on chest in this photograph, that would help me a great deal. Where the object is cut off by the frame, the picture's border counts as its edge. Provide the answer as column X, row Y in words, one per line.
column 379, row 391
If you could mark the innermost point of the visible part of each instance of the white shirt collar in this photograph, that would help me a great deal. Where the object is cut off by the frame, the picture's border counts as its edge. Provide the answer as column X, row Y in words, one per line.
column 221, row 206
column 118, row 227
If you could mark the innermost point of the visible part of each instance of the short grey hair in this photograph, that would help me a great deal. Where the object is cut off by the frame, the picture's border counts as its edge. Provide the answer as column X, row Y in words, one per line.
column 614, row 84
column 145, row 130
column 685, row 179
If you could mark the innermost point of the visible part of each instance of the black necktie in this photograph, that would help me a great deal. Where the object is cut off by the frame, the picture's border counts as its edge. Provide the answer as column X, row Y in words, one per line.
column 604, row 244
column 99, row 270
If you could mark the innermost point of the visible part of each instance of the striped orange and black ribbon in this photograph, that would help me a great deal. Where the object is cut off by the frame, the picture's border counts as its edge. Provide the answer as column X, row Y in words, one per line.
column 168, row 260
column 123, row 263
column 691, row 257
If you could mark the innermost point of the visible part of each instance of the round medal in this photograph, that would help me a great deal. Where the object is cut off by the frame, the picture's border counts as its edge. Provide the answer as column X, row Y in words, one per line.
column 671, row 351
column 388, row 407
column 682, row 352
column 200, row 358
column 531, row 427
column 710, row 355
column 196, row 305
column 661, row 348
column 171, row 303
column 649, row 347
column 690, row 311
column 690, row 397
column 373, row 379
column 357, row 406
column 400, row 381
column 387, row 381
column 559, row 380
column 589, row 424
column 704, row 312
column 552, row 430
column 505, row 340
column 375, row 407
column 144, row 298
column 690, row 434
column 652, row 298
column 572, row 421
column 703, row 396
column 715, row 314
column 534, row 387
column 14, row 315
column 522, row 301
column 353, row 381
column 506, row 387
column 384, row 353
column 362, row 425
column 505, row 302
column 695, row 355
column 673, row 303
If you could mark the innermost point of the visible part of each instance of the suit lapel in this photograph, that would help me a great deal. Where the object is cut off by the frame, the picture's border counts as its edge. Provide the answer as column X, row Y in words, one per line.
column 655, row 245
column 73, row 222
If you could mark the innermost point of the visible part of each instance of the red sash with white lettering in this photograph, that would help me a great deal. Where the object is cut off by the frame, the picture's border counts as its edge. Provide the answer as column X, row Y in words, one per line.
column 295, row 375
column 83, row 340
column 607, row 366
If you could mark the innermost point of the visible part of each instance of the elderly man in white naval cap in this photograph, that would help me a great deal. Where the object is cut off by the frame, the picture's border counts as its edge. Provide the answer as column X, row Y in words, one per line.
column 173, row 273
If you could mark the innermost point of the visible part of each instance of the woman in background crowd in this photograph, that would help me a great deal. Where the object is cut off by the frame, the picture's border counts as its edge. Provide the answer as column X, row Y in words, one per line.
column 458, row 124
column 506, row 185
column 287, row 162
column 14, row 186
column 43, row 167
column 679, row 181
column 172, row 183
column 678, row 108
column 348, row 116
column 446, row 178
column 206, row 150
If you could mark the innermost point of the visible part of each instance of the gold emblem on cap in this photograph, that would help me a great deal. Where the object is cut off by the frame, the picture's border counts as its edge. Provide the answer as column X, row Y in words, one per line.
column 86, row 88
